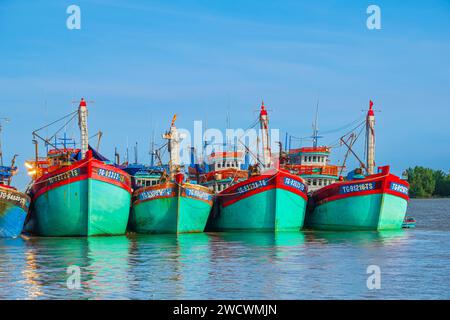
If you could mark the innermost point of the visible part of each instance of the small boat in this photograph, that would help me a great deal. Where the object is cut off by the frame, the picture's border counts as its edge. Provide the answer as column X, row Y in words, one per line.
column 271, row 199
column 409, row 222
column 77, row 192
column 170, row 204
column 13, row 204
column 364, row 201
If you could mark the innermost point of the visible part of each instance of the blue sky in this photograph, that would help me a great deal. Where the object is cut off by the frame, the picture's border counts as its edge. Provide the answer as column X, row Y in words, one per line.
column 142, row 61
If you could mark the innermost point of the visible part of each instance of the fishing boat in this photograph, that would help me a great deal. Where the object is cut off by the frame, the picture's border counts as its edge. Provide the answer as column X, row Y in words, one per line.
column 271, row 199
column 13, row 204
column 409, row 222
column 364, row 200
column 77, row 192
column 172, row 204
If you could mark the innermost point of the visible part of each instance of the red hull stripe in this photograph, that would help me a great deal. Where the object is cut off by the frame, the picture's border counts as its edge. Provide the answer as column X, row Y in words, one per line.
column 375, row 184
column 262, row 183
column 81, row 170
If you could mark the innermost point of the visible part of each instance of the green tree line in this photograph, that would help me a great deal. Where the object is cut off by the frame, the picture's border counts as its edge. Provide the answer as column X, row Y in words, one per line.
column 426, row 183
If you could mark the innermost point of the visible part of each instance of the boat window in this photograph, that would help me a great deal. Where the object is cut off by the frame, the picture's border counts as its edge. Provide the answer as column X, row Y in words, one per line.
column 314, row 182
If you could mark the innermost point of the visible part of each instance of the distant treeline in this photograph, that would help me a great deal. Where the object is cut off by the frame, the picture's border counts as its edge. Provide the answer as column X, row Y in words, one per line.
column 426, row 183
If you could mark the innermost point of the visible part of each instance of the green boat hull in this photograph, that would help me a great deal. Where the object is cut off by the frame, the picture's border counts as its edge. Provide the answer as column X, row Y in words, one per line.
column 176, row 214
column 83, row 208
column 271, row 210
column 380, row 211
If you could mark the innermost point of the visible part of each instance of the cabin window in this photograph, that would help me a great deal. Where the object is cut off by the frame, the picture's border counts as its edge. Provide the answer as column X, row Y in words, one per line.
column 314, row 182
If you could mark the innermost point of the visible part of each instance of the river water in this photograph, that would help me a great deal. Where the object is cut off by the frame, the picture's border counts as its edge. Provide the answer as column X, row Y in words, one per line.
column 413, row 264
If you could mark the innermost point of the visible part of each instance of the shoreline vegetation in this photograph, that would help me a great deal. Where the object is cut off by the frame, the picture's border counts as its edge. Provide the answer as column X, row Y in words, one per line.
column 426, row 183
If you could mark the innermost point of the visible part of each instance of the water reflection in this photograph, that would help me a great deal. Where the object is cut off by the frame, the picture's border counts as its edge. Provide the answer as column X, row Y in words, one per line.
column 363, row 238
column 241, row 265
column 102, row 262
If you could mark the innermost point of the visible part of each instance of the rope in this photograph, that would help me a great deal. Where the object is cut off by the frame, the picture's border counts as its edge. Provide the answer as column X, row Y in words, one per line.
column 48, row 125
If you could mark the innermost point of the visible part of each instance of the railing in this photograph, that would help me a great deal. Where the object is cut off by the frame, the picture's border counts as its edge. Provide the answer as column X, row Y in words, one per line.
column 309, row 150
column 310, row 170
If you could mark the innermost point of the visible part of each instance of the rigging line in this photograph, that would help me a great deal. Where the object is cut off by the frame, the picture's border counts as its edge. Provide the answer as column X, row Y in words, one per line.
column 333, row 130
column 48, row 125
column 94, row 135
column 343, row 127
column 355, row 128
column 300, row 138
column 62, row 127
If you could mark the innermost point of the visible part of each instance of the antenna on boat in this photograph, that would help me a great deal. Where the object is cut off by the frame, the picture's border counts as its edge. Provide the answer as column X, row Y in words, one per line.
column 315, row 136
column 6, row 120
column 152, row 149
column 116, row 155
column 136, row 153
column 228, row 120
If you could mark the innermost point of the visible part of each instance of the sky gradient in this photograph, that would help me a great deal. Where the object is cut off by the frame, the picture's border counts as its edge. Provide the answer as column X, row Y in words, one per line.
column 143, row 61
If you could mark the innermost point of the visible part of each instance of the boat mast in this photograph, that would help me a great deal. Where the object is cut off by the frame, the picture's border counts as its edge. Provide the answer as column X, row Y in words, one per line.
column 1, row 150
column 174, row 139
column 264, row 125
column 82, row 123
column 370, row 139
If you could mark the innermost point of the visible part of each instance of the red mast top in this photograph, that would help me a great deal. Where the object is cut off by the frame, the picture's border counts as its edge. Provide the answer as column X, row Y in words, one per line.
column 370, row 113
column 82, row 102
column 263, row 111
